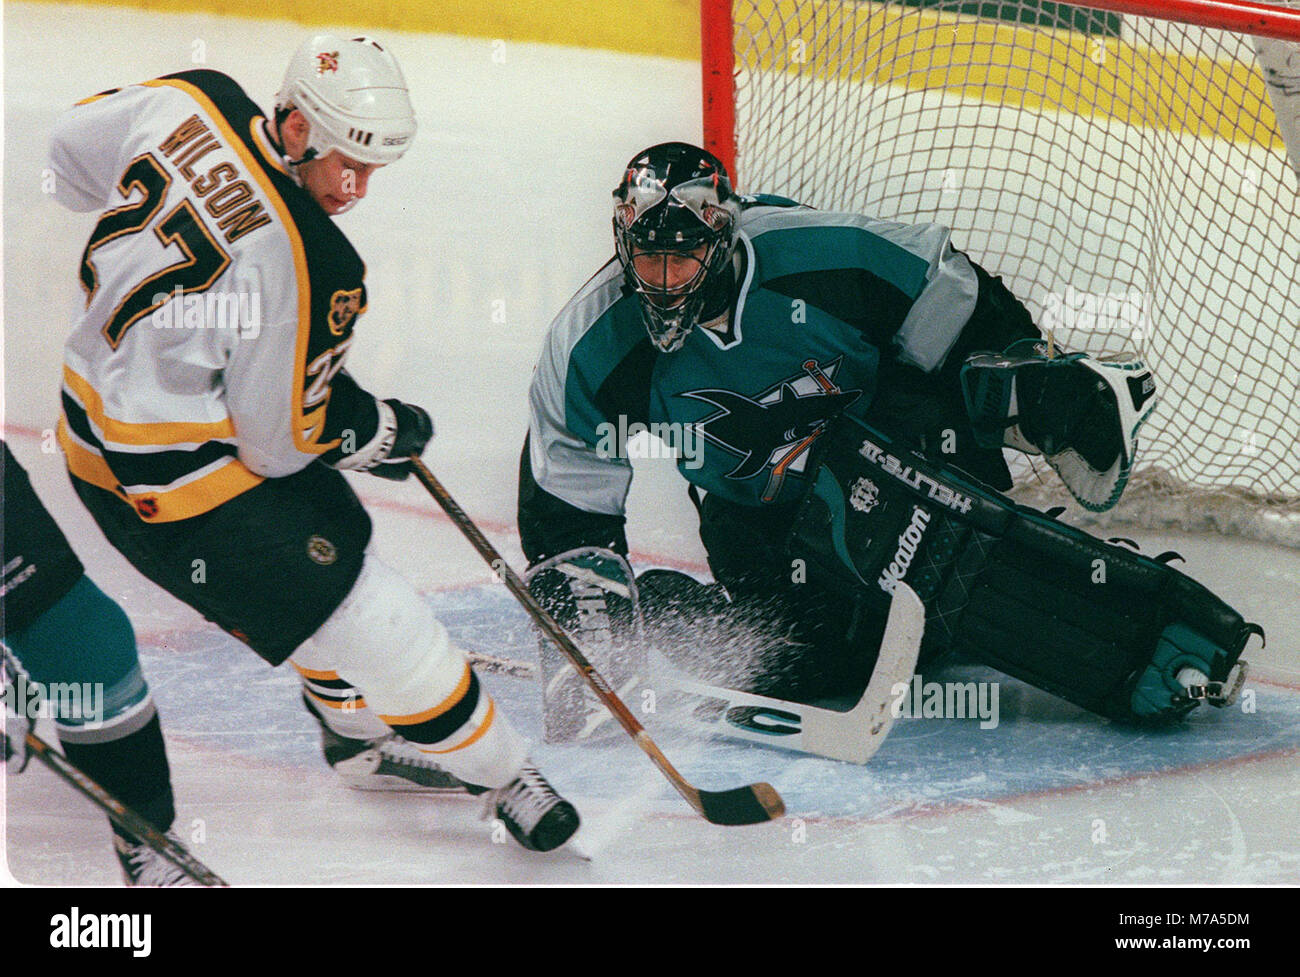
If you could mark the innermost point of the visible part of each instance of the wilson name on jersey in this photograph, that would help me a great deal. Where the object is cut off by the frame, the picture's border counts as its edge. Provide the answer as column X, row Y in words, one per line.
column 220, row 302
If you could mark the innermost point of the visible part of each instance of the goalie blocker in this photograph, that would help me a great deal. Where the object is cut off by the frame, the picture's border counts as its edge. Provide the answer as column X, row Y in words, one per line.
column 1008, row 586
column 591, row 592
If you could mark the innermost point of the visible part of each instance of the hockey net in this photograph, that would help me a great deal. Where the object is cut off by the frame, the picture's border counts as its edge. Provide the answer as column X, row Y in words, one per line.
column 1124, row 174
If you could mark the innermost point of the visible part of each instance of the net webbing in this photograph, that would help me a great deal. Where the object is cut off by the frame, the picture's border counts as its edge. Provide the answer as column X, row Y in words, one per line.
column 1123, row 175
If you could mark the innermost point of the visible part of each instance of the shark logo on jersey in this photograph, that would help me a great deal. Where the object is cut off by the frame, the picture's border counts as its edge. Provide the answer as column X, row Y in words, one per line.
column 774, row 431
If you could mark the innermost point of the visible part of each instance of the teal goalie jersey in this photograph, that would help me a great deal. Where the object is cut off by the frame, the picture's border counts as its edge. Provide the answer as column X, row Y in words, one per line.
column 827, row 308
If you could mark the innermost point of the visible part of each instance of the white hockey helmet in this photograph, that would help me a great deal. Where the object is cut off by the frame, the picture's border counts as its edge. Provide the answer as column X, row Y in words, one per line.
column 353, row 96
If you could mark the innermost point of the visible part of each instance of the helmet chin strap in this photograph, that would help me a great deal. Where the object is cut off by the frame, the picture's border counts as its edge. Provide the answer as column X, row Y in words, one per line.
column 276, row 135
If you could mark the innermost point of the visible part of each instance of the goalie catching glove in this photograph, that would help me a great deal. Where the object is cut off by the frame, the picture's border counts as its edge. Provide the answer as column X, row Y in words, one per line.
column 403, row 430
column 1119, row 633
column 1082, row 414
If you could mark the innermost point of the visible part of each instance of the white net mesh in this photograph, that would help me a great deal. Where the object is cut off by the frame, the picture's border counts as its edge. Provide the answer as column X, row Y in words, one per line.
column 1123, row 175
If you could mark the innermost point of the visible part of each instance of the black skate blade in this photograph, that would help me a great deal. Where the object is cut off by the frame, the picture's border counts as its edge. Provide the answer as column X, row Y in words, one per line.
column 755, row 804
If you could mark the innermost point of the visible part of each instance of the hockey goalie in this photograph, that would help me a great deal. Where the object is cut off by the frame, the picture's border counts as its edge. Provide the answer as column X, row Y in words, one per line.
column 852, row 384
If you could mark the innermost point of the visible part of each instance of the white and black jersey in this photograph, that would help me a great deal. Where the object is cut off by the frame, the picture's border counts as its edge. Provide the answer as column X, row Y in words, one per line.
column 220, row 301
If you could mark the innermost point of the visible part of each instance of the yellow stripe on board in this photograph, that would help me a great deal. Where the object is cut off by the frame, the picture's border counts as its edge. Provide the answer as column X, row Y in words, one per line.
column 665, row 28
column 1015, row 66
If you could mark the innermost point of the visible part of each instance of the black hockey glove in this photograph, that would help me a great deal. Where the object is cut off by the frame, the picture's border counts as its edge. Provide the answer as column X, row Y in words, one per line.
column 402, row 430
column 414, row 431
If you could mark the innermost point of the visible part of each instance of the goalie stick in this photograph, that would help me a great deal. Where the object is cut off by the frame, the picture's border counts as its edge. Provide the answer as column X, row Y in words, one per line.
column 853, row 735
column 751, row 804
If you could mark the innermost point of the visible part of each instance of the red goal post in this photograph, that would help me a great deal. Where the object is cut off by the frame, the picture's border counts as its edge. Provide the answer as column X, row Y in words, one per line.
column 1121, row 165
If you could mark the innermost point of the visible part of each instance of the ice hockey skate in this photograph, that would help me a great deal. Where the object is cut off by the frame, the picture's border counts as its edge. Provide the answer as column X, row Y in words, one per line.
column 143, row 866
column 534, row 814
column 388, row 763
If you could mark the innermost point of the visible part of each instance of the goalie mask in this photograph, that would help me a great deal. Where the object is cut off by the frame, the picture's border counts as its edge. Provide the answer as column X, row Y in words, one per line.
column 675, row 220
column 353, row 96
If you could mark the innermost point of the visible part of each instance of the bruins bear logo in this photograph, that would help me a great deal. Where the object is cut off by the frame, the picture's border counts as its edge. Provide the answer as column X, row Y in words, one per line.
column 344, row 306
column 321, row 550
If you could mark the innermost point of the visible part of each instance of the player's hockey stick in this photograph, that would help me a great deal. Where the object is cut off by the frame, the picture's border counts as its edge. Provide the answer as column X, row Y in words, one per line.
column 853, row 735
column 121, row 815
column 752, row 804
column 118, row 813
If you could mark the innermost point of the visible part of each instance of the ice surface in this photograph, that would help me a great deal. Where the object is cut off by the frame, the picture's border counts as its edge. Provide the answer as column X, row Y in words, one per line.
column 504, row 199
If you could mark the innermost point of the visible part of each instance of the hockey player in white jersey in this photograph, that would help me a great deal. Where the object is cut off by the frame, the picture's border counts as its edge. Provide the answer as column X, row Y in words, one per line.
column 196, row 430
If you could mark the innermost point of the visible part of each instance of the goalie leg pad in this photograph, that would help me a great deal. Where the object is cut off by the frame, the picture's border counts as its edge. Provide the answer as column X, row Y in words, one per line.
column 788, row 630
column 1007, row 585
column 1179, row 674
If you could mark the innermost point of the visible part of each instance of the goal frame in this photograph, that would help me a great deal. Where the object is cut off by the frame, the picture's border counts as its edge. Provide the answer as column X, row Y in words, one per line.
column 718, row 64
column 1155, row 498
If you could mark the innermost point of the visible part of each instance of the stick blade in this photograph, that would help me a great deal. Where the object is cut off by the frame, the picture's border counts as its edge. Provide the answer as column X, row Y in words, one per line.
column 755, row 804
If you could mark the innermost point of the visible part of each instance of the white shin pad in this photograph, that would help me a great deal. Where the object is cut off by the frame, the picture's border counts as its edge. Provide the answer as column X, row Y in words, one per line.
column 385, row 640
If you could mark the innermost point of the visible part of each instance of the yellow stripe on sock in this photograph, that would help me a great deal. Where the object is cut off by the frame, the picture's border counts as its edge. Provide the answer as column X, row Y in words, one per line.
column 448, row 703
column 477, row 735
